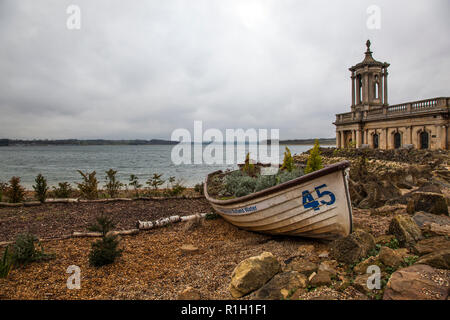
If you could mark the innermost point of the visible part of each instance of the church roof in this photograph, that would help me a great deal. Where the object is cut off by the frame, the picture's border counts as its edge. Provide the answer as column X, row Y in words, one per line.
column 369, row 60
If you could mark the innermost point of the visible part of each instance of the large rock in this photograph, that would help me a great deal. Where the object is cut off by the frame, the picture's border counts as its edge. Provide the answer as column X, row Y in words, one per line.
column 390, row 258
column 321, row 278
column 429, row 202
column 301, row 265
column 281, row 286
column 329, row 266
column 405, row 230
column 252, row 273
column 434, row 229
column 422, row 218
column 360, row 283
column 417, row 282
column 361, row 268
column 353, row 247
column 439, row 259
column 430, row 245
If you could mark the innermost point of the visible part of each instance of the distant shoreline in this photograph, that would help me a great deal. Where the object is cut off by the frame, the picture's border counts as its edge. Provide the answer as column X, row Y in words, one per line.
column 101, row 142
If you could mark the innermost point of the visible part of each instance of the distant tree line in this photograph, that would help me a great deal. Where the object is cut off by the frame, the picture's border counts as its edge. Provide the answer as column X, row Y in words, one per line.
column 46, row 142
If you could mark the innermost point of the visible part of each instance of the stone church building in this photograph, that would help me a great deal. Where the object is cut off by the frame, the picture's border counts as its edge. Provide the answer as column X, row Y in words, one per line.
column 374, row 123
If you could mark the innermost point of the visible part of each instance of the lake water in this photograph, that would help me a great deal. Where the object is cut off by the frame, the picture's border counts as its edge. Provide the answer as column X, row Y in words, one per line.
column 60, row 163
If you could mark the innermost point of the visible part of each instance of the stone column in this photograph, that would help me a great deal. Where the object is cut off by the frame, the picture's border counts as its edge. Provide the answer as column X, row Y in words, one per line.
column 353, row 88
column 366, row 88
column 342, row 139
column 444, row 138
column 386, row 141
column 338, row 139
column 385, row 86
column 353, row 136
column 358, row 138
column 409, row 135
column 358, row 90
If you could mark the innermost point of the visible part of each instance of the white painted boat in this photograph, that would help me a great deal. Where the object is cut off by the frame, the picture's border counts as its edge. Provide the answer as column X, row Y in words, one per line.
column 316, row 205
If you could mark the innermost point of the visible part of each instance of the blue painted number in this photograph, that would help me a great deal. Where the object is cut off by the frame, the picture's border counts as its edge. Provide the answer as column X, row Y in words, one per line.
column 309, row 202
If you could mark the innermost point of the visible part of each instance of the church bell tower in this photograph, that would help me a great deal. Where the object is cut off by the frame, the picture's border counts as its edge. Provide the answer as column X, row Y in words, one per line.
column 369, row 83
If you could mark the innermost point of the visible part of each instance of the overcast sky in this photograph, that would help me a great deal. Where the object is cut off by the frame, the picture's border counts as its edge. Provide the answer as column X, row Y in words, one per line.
column 141, row 69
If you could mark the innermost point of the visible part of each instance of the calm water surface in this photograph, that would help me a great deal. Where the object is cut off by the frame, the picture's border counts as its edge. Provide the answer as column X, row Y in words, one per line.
column 60, row 163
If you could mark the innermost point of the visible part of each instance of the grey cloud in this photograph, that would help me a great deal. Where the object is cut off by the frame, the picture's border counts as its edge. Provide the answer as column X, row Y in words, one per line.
column 144, row 68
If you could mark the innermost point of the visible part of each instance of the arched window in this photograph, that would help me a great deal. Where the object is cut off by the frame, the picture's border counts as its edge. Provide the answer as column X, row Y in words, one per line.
column 377, row 88
column 359, row 87
column 397, row 140
column 424, row 138
column 375, row 141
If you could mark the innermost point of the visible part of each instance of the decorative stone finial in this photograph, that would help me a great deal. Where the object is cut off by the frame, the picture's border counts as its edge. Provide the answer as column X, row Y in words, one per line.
column 368, row 45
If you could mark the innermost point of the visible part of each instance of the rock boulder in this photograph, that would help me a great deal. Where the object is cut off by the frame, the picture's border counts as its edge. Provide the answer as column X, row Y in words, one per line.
column 281, row 286
column 353, row 247
column 252, row 273
column 439, row 259
column 405, row 230
column 431, row 202
column 417, row 282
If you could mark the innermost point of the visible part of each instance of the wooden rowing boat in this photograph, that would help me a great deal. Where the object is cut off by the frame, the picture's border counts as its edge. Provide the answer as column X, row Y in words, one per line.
column 316, row 205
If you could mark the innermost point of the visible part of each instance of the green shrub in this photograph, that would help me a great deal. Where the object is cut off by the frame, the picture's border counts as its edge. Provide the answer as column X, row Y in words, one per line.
column 64, row 190
column 40, row 188
column 248, row 168
column 285, row 176
column 199, row 188
column 155, row 181
column 134, row 182
column 264, row 182
column 5, row 264
column 24, row 250
column 409, row 261
column 239, row 184
column 314, row 160
column 393, row 244
column 288, row 161
column 3, row 189
column 211, row 216
column 177, row 188
column 15, row 192
column 104, row 251
column 112, row 184
column 89, row 186
column 246, row 186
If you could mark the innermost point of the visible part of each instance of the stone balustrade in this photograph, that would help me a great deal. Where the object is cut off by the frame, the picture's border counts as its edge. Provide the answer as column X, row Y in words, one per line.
column 396, row 110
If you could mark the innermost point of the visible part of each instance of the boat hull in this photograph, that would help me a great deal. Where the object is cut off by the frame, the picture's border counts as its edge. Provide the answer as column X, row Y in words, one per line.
column 316, row 205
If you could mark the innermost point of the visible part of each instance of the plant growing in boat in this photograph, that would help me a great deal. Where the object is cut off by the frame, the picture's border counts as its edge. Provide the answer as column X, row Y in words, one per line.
column 15, row 192
column 314, row 160
column 104, row 251
column 249, row 167
column 288, row 161
column 41, row 188
column 112, row 184
column 134, row 182
column 89, row 187
column 64, row 190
